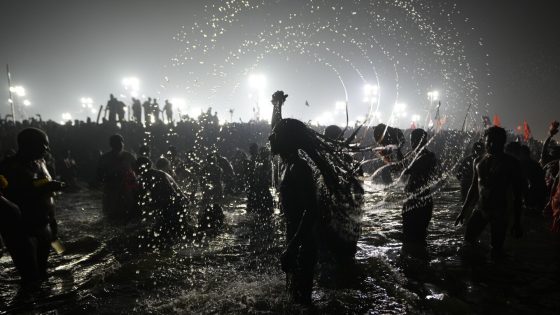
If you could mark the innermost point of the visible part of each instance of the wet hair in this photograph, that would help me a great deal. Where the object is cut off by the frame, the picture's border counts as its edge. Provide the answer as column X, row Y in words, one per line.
column 497, row 134
column 339, row 174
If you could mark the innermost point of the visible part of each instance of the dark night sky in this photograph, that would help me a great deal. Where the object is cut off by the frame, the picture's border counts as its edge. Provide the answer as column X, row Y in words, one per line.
column 63, row 50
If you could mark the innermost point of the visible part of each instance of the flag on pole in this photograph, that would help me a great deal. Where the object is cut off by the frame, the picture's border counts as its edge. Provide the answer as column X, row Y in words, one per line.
column 497, row 121
column 526, row 131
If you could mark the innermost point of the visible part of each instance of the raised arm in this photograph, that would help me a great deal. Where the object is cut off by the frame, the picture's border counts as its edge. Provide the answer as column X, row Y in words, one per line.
column 278, row 99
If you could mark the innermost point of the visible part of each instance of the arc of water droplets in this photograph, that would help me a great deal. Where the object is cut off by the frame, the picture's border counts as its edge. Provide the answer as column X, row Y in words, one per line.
column 292, row 35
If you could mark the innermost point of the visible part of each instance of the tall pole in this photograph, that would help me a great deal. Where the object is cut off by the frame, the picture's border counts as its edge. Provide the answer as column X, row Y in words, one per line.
column 10, row 92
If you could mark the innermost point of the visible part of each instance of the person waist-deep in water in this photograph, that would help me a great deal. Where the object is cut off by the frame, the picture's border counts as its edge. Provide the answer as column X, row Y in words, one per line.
column 298, row 196
column 27, row 223
column 116, row 172
column 418, row 207
column 496, row 189
column 162, row 199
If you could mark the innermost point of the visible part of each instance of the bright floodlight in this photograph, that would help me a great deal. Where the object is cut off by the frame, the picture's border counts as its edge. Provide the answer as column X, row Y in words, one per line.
column 18, row 90
column 131, row 83
column 400, row 107
column 433, row 95
column 178, row 103
column 415, row 118
column 26, row 102
column 340, row 105
column 370, row 92
column 66, row 116
column 257, row 81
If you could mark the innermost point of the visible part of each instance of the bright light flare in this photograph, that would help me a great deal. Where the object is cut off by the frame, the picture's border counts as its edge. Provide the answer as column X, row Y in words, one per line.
column 400, row 108
column 178, row 102
column 415, row 118
column 370, row 93
column 131, row 84
column 257, row 81
column 66, row 116
column 340, row 105
column 26, row 103
column 433, row 95
column 87, row 102
column 18, row 90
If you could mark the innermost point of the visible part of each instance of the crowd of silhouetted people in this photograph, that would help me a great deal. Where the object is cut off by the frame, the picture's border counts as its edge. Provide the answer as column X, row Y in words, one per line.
column 175, row 174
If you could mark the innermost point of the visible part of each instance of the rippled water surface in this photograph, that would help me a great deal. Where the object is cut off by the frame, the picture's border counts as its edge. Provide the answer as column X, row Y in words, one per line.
column 236, row 269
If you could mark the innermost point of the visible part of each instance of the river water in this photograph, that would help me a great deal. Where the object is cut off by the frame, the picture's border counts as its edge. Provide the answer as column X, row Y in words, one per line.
column 236, row 269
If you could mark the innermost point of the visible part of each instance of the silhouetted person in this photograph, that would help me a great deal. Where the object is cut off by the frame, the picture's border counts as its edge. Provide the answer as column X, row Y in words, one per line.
column 465, row 170
column 212, row 194
column 156, row 111
column 298, row 196
column 116, row 172
column 137, row 110
column 161, row 198
column 168, row 110
column 121, row 109
column 299, row 206
column 259, row 198
column 549, row 155
column 147, row 106
column 418, row 207
column 553, row 205
column 69, row 171
column 28, row 224
column 112, row 107
column 536, row 196
column 164, row 165
column 497, row 189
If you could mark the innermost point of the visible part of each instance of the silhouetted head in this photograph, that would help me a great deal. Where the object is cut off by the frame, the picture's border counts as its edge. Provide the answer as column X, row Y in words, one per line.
column 418, row 138
column 163, row 164
column 116, row 142
column 111, row 96
column 333, row 132
column 478, row 148
column 32, row 143
column 494, row 139
column 143, row 164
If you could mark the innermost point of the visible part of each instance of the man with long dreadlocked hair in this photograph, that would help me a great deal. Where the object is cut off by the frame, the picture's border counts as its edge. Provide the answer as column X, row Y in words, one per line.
column 310, row 206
